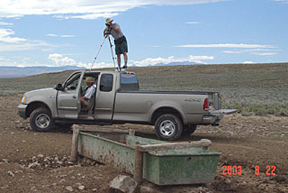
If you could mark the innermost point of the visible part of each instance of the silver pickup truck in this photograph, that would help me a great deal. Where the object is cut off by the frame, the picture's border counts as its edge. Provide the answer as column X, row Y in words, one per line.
column 117, row 100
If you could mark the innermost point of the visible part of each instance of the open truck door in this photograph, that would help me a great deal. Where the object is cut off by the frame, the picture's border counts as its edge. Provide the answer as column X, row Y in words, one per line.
column 68, row 98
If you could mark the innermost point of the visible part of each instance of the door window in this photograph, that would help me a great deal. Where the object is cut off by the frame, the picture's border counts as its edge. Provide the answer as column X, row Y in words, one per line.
column 72, row 83
column 106, row 82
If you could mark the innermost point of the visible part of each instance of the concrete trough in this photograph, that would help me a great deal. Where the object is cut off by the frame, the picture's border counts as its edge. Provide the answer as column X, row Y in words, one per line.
column 159, row 162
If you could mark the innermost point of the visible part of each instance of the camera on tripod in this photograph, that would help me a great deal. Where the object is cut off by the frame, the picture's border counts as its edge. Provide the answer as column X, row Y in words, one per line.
column 108, row 31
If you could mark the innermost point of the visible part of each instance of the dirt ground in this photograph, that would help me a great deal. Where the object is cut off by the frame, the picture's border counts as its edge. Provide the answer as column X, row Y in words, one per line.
column 39, row 162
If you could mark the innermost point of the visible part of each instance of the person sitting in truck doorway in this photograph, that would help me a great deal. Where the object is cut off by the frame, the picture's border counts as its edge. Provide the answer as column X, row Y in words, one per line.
column 85, row 100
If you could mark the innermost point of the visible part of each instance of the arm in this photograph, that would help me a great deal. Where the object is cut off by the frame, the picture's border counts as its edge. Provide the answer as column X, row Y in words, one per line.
column 116, row 28
column 104, row 32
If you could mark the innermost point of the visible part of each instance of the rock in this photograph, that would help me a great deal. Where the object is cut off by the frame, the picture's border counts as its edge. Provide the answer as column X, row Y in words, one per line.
column 228, row 184
column 203, row 190
column 5, row 160
column 81, row 187
column 123, row 184
column 147, row 189
column 11, row 173
column 40, row 155
column 33, row 165
column 69, row 188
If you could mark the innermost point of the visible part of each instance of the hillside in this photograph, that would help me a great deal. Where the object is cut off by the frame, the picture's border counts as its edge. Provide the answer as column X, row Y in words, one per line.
column 15, row 72
column 258, row 88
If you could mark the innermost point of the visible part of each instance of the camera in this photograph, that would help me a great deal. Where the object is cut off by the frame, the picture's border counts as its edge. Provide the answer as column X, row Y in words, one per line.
column 108, row 31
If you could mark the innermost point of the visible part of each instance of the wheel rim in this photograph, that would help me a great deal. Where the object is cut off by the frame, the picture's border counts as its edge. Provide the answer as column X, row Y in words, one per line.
column 167, row 128
column 42, row 121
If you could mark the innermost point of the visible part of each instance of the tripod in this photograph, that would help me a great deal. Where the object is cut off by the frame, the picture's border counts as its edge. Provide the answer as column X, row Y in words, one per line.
column 112, row 52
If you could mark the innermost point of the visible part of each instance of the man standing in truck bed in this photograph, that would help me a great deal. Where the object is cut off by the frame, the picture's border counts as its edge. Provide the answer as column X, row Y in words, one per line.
column 120, row 41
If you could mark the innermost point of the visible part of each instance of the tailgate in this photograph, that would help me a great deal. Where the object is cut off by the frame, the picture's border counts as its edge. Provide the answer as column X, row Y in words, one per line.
column 223, row 111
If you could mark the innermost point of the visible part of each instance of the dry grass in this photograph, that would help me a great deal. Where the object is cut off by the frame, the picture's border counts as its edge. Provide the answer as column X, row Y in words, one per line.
column 252, row 88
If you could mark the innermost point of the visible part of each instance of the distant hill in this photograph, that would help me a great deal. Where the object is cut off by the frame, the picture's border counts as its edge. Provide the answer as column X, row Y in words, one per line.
column 15, row 72
column 177, row 64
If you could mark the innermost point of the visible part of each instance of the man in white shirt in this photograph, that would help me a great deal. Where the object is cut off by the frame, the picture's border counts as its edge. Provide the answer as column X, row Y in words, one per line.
column 85, row 100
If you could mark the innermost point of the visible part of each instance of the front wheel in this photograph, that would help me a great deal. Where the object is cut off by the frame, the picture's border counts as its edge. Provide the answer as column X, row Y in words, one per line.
column 41, row 120
column 168, row 127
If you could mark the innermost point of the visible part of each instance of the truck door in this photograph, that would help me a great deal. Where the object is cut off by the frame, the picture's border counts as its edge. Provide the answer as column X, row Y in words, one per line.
column 105, row 98
column 68, row 100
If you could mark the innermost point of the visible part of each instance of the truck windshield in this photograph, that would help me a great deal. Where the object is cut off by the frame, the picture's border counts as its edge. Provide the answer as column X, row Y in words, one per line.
column 129, row 82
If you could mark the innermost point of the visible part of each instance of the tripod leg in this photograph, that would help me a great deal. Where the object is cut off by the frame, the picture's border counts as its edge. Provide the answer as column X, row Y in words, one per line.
column 97, row 53
column 112, row 53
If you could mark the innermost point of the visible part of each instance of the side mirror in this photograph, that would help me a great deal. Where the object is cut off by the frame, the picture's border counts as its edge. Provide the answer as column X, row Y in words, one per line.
column 58, row 86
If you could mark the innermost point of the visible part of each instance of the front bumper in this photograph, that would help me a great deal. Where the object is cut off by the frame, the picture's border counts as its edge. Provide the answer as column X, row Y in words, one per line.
column 22, row 111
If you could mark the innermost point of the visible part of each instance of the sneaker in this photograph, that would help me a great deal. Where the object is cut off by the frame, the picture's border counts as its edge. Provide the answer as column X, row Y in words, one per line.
column 124, row 67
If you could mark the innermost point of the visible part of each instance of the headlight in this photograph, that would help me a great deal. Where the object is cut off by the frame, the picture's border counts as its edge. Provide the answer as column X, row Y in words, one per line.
column 23, row 99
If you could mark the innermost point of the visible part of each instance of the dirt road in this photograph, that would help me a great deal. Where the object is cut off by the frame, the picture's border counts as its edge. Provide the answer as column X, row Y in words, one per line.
column 39, row 162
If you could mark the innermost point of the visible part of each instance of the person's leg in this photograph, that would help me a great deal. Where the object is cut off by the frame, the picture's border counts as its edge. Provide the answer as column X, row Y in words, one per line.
column 125, row 59
column 119, row 60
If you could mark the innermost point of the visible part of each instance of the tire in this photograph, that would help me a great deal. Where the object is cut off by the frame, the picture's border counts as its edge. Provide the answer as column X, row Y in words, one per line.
column 63, row 126
column 188, row 130
column 168, row 127
column 41, row 120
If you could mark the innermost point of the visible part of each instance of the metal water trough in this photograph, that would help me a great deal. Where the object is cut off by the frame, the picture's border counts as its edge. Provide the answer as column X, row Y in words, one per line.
column 156, row 161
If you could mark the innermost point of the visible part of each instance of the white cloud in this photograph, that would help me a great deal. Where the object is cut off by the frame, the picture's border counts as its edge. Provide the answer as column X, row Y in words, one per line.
column 226, row 45
column 248, row 62
column 88, row 9
column 192, row 22
column 5, row 36
column 61, row 60
column 284, row 1
column 266, row 54
column 5, row 23
column 67, row 36
column 170, row 59
column 23, row 46
column 260, row 52
column 52, row 35
column 62, row 36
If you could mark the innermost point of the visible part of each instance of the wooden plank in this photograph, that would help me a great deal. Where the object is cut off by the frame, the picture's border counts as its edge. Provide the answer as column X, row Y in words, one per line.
column 138, row 168
column 74, row 152
column 170, row 146
column 105, row 130
column 131, row 132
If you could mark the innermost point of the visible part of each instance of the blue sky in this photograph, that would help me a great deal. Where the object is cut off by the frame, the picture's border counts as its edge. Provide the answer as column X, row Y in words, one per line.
column 56, row 33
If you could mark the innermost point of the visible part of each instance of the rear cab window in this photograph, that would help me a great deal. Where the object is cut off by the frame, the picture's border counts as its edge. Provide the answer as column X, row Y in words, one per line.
column 129, row 81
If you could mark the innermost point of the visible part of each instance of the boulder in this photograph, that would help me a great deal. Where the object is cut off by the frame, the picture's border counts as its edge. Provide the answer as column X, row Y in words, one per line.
column 123, row 184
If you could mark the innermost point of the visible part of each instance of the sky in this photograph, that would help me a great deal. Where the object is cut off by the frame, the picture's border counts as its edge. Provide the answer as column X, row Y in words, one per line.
column 58, row 33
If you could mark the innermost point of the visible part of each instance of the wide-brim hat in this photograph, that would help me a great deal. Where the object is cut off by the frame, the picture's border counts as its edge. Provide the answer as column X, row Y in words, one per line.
column 89, row 79
column 108, row 20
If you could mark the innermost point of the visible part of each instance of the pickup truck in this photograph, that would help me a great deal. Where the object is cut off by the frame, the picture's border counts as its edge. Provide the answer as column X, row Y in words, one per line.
column 117, row 100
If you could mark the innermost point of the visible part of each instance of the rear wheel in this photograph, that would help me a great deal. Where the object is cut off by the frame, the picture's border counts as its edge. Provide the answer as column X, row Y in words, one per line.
column 168, row 127
column 189, row 129
column 41, row 120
